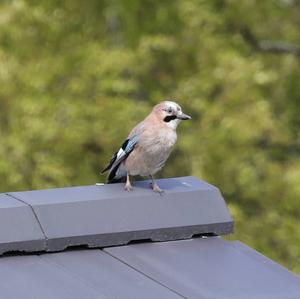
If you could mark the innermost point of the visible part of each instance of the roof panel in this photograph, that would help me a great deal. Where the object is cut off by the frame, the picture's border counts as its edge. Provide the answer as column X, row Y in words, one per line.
column 210, row 268
column 30, row 277
column 292, row 277
column 197, row 268
column 108, row 276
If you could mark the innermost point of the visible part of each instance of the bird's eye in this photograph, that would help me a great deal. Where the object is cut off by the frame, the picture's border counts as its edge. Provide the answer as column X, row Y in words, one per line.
column 169, row 110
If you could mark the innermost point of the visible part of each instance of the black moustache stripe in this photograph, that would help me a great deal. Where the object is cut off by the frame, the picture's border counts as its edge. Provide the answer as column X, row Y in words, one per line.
column 169, row 118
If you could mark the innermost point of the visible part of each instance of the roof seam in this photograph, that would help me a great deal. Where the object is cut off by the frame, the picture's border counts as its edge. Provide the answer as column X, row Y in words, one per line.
column 35, row 216
column 62, row 268
column 148, row 276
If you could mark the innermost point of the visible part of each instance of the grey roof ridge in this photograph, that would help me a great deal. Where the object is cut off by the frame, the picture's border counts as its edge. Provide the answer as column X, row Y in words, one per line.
column 101, row 216
column 34, row 214
column 19, row 228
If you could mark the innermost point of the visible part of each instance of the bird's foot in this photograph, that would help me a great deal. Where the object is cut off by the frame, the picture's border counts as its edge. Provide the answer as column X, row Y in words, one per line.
column 128, row 187
column 157, row 189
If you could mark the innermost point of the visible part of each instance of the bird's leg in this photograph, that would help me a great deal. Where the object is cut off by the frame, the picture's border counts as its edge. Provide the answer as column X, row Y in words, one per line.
column 155, row 187
column 128, row 186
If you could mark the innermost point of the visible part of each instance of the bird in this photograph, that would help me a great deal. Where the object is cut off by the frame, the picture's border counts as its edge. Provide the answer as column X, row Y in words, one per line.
column 147, row 147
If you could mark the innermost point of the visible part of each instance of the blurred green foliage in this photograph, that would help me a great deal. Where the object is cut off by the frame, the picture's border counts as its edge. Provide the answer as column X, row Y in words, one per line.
column 77, row 75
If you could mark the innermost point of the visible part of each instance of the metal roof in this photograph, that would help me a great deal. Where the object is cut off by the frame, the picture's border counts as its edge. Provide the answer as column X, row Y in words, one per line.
column 101, row 216
column 196, row 268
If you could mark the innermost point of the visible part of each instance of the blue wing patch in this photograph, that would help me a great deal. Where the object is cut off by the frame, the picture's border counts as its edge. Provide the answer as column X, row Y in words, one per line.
column 126, row 148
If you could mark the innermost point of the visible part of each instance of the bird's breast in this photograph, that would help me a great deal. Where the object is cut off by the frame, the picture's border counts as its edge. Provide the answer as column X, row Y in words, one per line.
column 162, row 141
column 151, row 153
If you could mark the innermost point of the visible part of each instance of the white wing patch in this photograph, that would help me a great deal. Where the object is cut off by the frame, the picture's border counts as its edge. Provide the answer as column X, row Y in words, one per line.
column 121, row 153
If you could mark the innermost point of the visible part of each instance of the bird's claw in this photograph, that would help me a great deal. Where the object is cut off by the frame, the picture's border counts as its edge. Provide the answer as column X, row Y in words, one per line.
column 128, row 188
column 156, row 188
column 159, row 191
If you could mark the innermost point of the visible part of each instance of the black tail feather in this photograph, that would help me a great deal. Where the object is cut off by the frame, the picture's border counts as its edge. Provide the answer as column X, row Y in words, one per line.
column 112, row 175
column 117, row 180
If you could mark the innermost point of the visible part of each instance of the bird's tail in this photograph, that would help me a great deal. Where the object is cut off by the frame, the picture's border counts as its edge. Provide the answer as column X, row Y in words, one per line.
column 116, row 175
column 108, row 166
column 117, row 180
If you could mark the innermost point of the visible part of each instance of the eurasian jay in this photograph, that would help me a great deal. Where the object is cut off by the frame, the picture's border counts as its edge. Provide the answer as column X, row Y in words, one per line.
column 148, row 146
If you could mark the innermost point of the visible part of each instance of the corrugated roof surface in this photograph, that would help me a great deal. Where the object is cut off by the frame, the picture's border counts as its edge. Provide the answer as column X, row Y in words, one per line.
column 208, row 268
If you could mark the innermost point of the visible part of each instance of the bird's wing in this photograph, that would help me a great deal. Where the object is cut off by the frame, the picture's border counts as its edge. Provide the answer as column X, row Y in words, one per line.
column 123, row 152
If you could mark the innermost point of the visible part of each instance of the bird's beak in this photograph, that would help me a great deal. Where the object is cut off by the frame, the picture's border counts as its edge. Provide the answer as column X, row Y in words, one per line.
column 183, row 116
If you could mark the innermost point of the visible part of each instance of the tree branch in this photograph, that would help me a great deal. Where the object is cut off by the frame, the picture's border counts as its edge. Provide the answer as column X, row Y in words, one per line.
column 268, row 46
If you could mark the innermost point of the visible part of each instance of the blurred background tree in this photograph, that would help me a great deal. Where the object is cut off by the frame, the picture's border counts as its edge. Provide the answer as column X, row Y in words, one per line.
column 77, row 75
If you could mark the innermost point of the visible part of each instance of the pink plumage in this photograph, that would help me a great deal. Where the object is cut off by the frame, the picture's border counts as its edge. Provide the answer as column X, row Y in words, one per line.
column 148, row 145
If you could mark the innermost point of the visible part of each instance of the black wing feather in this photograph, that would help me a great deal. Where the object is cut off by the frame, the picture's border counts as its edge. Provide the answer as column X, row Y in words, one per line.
column 127, row 147
column 114, row 157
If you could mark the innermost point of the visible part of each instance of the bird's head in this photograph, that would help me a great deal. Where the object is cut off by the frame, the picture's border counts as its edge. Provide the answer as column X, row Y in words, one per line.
column 170, row 113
